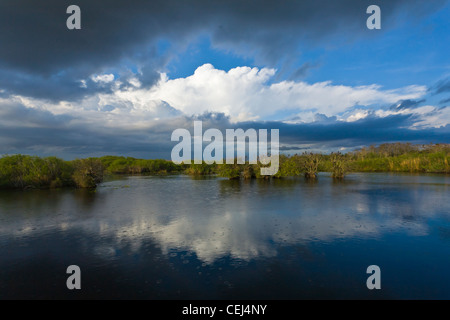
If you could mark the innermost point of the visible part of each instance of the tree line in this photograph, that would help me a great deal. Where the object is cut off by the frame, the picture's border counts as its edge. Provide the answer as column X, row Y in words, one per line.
column 24, row 171
column 388, row 157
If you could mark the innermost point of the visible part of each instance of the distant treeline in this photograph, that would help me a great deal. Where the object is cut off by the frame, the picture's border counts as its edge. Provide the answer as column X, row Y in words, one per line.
column 23, row 171
column 401, row 157
column 389, row 157
column 129, row 165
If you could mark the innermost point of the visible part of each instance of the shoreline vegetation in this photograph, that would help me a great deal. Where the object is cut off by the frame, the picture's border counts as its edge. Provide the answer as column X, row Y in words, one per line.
column 30, row 172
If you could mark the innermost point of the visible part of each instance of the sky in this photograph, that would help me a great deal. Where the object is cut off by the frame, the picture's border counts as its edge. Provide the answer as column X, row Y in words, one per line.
column 137, row 70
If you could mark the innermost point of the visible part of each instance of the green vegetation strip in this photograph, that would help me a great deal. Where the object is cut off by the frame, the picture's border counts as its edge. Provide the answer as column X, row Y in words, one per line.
column 23, row 171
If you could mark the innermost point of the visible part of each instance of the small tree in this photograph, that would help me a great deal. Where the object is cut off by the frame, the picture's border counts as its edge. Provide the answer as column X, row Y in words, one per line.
column 338, row 164
column 247, row 171
column 230, row 171
column 88, row 172
column 311, row 165
column 201, row 169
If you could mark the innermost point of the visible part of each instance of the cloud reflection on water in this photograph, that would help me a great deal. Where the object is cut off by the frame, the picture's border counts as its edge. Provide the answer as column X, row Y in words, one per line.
column 214, row 218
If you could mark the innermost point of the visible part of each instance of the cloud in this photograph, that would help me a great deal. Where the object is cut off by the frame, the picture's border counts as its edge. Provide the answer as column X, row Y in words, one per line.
column 433, row 117
column 41, row 58
column 245, row 93
column 104, row 78
column 442, row 86
column 26, row 127
column 444, row 101
column 406, row 104
column 302, row 71
column 268, row 30
column 293, row 148
column 14, row 114
column 134, row 128
column 370, row 130
column 134, row 120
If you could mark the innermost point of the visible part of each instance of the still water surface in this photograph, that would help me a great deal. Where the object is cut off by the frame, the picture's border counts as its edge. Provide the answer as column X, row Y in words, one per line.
column 175, row 237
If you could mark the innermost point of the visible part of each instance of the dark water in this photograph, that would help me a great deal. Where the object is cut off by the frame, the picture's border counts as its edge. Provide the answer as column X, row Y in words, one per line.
column 181, row 238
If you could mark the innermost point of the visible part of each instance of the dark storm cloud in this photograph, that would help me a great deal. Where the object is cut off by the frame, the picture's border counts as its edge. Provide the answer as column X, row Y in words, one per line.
column 40, row 57
column 60, row 86
column 35, row 131
column 44, row 135
column 369, row 130
column 290, row 148
column 329, row 133
column 16, row 114
column 319, row 117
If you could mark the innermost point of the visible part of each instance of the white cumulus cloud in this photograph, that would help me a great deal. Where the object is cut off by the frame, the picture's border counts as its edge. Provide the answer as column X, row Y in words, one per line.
column 106, row 78
column 246, row 93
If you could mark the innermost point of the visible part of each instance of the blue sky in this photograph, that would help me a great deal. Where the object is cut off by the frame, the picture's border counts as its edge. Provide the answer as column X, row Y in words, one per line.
column 138, row 70
column 410, row 51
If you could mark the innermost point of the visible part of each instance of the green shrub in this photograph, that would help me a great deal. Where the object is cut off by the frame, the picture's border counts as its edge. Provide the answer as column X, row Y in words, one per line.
column 87, row 172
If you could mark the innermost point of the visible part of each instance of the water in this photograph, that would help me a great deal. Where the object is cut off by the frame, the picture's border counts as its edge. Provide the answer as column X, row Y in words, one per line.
column 176, row 237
